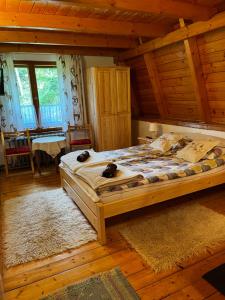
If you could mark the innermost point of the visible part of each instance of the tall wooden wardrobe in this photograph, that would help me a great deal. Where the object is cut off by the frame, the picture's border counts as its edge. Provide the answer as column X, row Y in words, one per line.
column 109, row 106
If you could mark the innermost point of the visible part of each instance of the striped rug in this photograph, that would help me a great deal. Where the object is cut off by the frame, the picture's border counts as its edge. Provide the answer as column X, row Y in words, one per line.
column 111, row 285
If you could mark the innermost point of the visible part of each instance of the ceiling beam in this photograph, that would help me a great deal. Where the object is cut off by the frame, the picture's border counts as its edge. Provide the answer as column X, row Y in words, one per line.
column 83, row 25
column 8, row 48
column 181, row 34
column 65, row 39
column 173, row 8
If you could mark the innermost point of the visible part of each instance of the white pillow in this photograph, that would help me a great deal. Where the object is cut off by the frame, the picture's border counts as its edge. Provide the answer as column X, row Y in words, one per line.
column 215, row 153
column 196, row 150
column 166, row 141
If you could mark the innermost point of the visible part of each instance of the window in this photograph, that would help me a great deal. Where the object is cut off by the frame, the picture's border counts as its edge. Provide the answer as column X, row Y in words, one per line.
column 39, row 94
column 25, row 97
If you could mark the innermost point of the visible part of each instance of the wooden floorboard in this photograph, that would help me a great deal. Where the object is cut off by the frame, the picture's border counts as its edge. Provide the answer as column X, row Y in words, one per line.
column 36, row 279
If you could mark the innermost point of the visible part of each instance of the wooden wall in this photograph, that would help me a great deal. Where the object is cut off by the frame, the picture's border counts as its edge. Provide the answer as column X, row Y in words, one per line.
column 212, row 54
column 142, row 89
column 177, row 84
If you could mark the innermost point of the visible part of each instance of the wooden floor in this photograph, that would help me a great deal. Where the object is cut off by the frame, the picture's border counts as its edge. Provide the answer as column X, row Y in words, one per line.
column 37, row 279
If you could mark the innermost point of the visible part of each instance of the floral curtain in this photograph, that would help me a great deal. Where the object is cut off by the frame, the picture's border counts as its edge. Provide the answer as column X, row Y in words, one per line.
column 10, row 113
column 71, row 83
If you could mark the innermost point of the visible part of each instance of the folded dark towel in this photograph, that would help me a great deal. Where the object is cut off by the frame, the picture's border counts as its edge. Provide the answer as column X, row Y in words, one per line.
column 83, row 156
column 110, row 171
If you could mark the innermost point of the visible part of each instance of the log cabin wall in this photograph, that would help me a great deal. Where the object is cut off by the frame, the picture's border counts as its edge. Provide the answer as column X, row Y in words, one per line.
column 191, row 80
column 212, row 54
column 176, row 83
column 143, row 101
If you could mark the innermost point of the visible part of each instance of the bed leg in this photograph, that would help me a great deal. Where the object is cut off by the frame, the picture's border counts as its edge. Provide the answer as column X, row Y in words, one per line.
column 101, row 226
column 61, row 178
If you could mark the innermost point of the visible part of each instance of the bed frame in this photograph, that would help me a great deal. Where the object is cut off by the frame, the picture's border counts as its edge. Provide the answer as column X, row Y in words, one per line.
column 98, row 212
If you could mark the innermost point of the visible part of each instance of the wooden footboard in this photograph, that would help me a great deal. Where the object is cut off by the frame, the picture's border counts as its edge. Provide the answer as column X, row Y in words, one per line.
column 96, row 213
column 93, row 211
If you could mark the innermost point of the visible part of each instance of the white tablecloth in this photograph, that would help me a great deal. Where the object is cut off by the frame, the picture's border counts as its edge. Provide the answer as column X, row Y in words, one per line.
column 50, row 144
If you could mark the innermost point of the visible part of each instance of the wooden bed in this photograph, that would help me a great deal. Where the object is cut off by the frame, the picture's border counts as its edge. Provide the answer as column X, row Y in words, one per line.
column 98, row 212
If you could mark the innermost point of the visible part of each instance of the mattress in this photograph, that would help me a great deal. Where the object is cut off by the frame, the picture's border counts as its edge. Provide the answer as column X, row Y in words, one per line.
column 155, row 168
column 139, row 190
column 164, row 168
column 70, row 160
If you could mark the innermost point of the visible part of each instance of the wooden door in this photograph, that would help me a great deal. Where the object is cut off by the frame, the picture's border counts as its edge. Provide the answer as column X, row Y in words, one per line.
column 123, row 131
column 122, row 89
column 105, row 92
column 108, row 128
column 106, row 109
column 112, row 101
column 123, row 107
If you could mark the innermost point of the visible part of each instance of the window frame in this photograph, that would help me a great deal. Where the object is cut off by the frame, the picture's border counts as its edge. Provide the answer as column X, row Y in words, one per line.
column 30, row 64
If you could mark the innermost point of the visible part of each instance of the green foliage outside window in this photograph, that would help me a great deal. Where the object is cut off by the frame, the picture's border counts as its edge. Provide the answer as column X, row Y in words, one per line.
column 47, row 83
column 23, row 83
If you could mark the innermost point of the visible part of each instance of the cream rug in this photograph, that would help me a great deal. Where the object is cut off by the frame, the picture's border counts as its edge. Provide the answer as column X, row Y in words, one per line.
column 167, row 238
column 42, row 224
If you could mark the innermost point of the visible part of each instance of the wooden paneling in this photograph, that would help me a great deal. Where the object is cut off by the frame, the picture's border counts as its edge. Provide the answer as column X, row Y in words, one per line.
column 174, row 8
column 65, row 39
column 78, row 24
column 181, row 34
column 212, row 53
column 176, row 83
column 142, row 88
column 6, row 48
column 194, row 64
column 153, row 73
column 65, row 8
column 190, row 74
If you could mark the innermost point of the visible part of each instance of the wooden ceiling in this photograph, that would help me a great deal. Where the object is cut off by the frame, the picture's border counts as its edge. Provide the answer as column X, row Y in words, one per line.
column 107, row 24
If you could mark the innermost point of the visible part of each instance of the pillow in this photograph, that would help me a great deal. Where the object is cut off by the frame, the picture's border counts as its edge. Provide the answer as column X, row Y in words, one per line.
column 196, row 150
column 166, row 141
column 180, row 145
column 215, row 153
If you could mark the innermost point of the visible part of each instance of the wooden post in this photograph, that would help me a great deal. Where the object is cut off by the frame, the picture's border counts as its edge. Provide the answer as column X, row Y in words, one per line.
column 193, row 57
column 101, row 224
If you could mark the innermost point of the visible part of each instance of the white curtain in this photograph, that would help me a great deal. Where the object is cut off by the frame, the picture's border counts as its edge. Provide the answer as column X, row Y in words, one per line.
column 71, row 86
column 10, row 113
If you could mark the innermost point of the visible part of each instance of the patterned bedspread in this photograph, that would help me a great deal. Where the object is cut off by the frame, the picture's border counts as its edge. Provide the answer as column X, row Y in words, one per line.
column 133, row 152
column 155, row 167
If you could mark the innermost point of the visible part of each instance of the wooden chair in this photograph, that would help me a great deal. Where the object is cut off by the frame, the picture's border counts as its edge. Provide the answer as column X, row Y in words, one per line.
column 15, row 150
column 76, row 139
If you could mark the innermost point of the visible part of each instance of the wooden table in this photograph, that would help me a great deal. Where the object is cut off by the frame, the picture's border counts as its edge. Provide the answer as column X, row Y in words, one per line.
column 52, row 145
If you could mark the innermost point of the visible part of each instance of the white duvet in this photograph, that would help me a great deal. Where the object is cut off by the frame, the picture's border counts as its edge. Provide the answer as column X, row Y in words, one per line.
column 92, row 175
column 70, row 160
